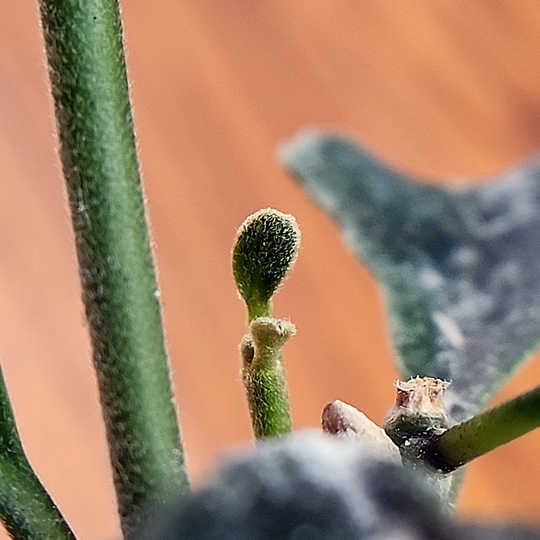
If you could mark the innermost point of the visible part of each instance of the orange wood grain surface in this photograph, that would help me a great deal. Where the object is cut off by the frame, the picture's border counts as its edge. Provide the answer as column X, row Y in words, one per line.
column 440, row 89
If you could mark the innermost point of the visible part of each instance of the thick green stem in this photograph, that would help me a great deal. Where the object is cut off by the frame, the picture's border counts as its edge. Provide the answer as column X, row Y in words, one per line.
column 26, row 509
column 97, row 147
column 486, row 431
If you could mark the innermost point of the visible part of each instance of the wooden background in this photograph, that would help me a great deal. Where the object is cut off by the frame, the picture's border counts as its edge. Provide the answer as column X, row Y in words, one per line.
column 440, row 89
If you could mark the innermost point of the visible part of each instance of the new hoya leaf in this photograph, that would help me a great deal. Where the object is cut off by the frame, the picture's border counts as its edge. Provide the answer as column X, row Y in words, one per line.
column 265, row 249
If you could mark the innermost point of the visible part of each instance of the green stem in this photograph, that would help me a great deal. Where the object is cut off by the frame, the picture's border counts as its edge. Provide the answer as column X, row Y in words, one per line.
column 26, row 509
column 257, row 309
column 97, row 147
column 264, row 376
column 486, row 431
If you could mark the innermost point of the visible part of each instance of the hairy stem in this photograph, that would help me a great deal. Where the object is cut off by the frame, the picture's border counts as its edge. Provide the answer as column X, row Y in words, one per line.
column 264, row 376
column 486, row 431
column 97, row 147
column 265, row 250
column 26, row 509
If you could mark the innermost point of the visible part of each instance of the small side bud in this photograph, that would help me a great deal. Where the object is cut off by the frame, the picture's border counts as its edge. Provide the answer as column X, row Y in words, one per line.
column 347, row 422
column 271, row 333
column 247, row 351
column 265, row 249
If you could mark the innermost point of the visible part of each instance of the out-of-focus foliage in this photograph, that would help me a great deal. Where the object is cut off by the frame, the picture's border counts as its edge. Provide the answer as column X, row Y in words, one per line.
column 458, row 266
column 315, row 487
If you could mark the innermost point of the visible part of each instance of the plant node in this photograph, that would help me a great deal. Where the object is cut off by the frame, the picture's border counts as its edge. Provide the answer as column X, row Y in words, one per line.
column 263, row 374
column 417, row 416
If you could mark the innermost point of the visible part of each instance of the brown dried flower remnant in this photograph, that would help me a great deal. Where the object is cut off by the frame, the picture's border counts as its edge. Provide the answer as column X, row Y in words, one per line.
column 421, row 396
column 419, row 410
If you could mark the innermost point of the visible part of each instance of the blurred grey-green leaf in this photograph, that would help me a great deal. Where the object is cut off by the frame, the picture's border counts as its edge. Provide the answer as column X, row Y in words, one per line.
column 458, row 267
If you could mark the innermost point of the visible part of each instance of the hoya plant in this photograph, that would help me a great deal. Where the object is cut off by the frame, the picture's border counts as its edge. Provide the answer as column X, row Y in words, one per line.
column 458, row 269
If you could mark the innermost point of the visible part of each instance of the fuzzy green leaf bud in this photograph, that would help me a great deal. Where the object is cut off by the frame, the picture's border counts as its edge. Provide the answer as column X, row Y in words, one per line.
column 266, row 247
